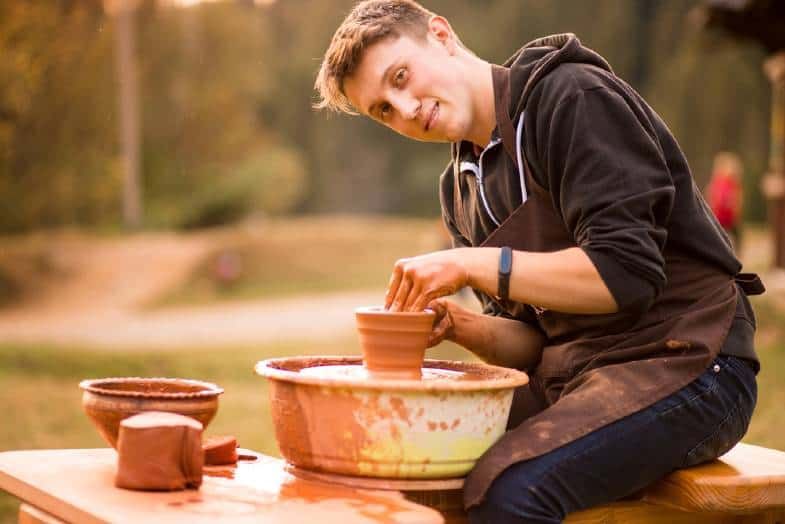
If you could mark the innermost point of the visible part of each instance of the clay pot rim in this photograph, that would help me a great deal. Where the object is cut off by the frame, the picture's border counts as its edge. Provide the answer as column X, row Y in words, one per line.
column 499, row 377
column 94, row 386
column 380, row 311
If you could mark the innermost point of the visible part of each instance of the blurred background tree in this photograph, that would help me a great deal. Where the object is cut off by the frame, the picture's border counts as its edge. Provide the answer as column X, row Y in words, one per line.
column 225, row 93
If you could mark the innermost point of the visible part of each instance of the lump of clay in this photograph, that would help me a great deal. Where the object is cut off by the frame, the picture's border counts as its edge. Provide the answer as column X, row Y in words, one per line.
column 159, row 451
column 220, row 451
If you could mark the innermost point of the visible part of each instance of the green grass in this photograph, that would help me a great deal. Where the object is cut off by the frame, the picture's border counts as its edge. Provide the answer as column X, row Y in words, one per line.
column 766, row 426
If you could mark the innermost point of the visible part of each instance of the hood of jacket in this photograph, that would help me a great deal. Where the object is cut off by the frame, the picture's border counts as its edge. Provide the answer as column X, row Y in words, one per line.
column 541, row 56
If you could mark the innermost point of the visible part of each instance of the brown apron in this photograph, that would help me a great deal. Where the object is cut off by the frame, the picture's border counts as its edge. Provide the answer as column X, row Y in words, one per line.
column 597, row 369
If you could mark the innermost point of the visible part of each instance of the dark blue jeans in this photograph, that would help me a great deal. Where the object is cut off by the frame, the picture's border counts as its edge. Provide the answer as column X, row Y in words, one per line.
column 697, row 423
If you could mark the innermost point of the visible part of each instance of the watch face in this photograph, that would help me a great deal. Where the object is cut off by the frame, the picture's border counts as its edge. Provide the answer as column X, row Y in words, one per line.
column 505, row 267
column 505, row 261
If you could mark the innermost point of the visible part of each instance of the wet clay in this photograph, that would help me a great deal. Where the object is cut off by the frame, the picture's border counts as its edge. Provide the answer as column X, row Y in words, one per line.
column 266, row 486
column 393, row 343
column 109, row 401
column 228, row 470
column 159, row 451
column 220, row 450
column 467, row 376
column 362, row 373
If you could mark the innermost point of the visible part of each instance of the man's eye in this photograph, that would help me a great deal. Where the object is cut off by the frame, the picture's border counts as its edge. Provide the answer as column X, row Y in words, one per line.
column 400, row 77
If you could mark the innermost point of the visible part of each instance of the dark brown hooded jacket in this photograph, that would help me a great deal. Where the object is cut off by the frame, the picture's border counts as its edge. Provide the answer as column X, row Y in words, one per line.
column 578, row 159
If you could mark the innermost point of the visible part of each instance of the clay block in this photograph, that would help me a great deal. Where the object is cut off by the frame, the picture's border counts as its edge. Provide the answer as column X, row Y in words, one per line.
column 219, row 451
column 159, row 451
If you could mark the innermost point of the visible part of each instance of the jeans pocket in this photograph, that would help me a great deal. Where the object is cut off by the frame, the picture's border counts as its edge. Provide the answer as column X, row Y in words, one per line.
column 728, row 433
column 696, row 391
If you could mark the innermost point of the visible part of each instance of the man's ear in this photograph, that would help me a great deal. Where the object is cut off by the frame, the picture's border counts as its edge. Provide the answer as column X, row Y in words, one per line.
column 439, row 28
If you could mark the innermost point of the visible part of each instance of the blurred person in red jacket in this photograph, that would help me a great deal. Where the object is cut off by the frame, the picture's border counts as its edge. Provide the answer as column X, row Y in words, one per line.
column 724, row 194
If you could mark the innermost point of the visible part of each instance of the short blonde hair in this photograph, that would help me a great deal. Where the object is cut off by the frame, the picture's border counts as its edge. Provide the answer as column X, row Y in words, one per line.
column 369, row 22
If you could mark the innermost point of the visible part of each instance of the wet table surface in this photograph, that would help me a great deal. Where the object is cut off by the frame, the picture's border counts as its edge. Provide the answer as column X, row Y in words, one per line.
column 77, row 485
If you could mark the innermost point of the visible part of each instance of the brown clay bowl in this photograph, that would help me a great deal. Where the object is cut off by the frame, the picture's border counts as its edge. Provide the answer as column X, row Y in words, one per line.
column 393, row 343
column 108, row 401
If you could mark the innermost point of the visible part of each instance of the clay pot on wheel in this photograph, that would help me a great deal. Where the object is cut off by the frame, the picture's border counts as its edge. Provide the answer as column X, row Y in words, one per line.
column 393, row 343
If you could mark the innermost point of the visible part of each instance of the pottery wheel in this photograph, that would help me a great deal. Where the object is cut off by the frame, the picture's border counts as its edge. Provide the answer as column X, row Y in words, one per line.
column 378, row 483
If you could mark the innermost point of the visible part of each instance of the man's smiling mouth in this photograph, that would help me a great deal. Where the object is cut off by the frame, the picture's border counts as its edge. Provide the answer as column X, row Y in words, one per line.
column 432, row 117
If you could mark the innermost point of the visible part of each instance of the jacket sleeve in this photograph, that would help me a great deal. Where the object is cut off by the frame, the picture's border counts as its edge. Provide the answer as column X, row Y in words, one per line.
column 609, row 180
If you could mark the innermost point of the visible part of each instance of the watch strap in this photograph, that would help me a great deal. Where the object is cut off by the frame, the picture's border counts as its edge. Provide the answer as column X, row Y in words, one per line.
column 505, row 269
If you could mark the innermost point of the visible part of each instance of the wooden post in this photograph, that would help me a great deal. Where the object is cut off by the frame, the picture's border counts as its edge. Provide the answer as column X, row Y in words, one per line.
column 773, row 183
column 123, row 13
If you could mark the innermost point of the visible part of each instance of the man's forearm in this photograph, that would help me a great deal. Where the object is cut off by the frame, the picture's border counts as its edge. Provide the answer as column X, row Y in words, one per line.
column 496, row 340
column 565, row 280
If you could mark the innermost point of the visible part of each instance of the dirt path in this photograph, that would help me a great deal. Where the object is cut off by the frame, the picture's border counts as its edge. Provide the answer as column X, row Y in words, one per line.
column 98, row 304
column 240, row 323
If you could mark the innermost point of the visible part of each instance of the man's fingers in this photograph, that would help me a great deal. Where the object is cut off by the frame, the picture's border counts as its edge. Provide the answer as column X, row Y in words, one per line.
column 437, row 335
column 401, row 294
column 423, row 299
column 437, row 306
column 415, row 302
column 392, row 287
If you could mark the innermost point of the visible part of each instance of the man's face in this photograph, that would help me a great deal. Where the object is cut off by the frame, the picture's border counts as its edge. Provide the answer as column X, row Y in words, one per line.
column 414, row 87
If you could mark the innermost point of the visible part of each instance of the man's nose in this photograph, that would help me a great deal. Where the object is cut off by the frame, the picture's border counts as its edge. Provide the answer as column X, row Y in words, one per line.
column 407, row 106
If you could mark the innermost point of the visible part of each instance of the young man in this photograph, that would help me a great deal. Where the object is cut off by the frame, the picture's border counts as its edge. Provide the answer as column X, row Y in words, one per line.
column 577, row 222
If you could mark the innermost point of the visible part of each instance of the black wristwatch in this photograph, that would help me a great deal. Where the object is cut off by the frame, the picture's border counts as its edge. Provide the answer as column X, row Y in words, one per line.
column 505, row 268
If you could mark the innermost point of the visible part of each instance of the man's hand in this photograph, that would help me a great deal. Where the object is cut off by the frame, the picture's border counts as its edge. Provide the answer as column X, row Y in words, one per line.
column 496, row 340
column 443, row 324
column 417, row 281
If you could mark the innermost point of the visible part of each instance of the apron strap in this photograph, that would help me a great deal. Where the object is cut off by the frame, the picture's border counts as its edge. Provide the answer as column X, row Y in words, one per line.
column 501, row 79
column 750, row 283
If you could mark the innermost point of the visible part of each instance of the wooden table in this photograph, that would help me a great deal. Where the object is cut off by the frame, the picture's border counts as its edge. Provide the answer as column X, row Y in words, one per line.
column 745, row 486
column 77, row 485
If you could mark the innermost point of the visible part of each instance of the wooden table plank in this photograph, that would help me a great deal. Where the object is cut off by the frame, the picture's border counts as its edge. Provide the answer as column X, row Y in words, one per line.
column 30, row 515
column 77, row 485
column 746, row 478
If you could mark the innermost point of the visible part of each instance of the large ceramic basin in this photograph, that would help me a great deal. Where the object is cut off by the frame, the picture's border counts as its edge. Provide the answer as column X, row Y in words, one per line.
column 393, row 428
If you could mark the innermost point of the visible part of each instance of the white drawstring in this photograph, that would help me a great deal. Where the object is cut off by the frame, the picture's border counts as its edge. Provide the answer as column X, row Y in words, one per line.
column 477, row 172
column 518, row 146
